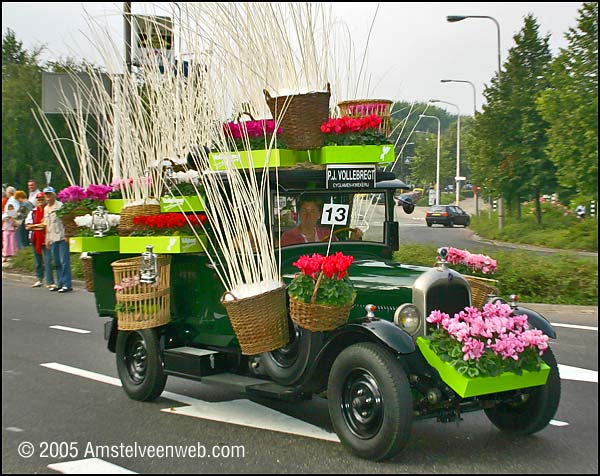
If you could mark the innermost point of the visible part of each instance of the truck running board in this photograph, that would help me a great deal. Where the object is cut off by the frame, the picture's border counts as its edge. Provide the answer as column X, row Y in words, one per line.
column 193, row 363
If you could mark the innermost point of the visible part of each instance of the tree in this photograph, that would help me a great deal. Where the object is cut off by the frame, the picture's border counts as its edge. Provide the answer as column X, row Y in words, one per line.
column 570, row 106
column 25, row 152
column 509, row 136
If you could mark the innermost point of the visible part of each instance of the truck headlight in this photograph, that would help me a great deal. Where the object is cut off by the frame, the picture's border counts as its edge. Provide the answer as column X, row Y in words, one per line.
column 408, row 318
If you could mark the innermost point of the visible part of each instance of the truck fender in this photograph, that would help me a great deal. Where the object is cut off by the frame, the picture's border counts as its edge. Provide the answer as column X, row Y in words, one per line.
column 536, row 321
column 110, row 334
column 368, row 330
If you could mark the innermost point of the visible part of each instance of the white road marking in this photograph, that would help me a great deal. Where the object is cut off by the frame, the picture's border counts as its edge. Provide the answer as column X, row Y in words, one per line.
column 575, row 326
column 575, row 373
column 70, row 329
column 246, row 413
column 253, row 415
column 89, row 466
column 15, row 319
column 14, row 429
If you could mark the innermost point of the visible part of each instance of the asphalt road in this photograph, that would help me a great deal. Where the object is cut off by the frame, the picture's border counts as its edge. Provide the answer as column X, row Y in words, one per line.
column 82, row 415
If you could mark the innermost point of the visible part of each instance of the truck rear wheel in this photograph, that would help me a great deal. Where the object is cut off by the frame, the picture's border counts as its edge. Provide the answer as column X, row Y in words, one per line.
column 370, row 402
column 536, row 408
column 286, row 366
column 139, row 364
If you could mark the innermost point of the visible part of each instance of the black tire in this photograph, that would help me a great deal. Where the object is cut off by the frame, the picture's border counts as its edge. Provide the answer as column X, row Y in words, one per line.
column 286, row 366
column 370, row 402
column 139, row 364
column 536, row 411
column 451, row 224
column 429, row 224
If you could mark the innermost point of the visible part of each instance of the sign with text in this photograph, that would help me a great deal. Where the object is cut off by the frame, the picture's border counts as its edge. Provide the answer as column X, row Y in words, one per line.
column 350, row 176
column 334, row 214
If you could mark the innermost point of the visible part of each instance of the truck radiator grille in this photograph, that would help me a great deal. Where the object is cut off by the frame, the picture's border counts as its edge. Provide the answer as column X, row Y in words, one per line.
column 447, row 297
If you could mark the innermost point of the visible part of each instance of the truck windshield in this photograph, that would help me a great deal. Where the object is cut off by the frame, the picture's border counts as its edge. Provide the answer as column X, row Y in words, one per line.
column 311, row 217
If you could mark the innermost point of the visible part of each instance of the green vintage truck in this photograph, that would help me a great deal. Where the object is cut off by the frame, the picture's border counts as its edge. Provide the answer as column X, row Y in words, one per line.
column 375, row 375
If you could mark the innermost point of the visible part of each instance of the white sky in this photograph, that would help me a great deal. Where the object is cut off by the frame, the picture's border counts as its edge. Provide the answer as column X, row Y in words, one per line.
column 412, row 46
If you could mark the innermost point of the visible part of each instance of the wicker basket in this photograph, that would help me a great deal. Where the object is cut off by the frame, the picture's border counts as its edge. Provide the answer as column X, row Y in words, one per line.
column 301, row 116
column 318, row 317
column 366, row 107
column 88, row 272
column 126, row 225
column 68, row 221
column 259, row 322
column 481, row 288
column 146, row 305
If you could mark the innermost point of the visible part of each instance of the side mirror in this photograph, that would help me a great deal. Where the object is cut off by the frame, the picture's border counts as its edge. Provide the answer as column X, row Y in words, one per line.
column 408, row 208
column 407, row 205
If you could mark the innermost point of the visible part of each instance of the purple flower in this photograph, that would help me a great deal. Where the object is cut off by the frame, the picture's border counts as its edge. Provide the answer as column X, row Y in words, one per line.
column 98, row 192
column 74, row 193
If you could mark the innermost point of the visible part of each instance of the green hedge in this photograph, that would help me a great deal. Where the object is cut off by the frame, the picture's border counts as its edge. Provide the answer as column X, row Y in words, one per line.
column 551, row 279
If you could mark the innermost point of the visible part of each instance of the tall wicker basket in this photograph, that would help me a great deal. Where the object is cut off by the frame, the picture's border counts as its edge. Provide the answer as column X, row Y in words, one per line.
column 142, row 306
column 126, row 225
column 301, row 116
column 481, row 288
column 259, row 322
column 88, row 272
column 319, row 317
column 365, row 107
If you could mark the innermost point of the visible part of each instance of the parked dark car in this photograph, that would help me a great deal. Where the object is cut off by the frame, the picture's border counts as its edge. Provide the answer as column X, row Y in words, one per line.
column 447, row 215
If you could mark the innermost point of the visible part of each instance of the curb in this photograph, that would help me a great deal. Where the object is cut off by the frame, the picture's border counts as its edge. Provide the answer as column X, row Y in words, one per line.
column 542, row 308
column 28, row 278
column 478, row 238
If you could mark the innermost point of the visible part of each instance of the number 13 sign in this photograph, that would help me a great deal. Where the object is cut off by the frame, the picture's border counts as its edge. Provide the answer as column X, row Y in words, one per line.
column 334, row 214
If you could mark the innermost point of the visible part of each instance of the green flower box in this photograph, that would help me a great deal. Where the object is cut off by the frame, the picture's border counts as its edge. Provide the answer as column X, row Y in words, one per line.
column 471, row 387
column 191, row 203
column 243, row 158
column 80, row 244
column 114, row 205
column 162, row 244
column 348, row 154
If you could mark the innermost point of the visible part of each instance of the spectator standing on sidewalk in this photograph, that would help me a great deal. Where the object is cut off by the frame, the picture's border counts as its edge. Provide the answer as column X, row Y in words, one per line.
column 25, row 206
column 33, row 192
column 9, row 230
column 56, row 241
column 42, row 255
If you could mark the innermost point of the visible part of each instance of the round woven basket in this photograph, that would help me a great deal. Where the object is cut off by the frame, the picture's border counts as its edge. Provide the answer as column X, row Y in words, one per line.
column 259, row 322
column 126, row 226
column 143, row 305
column 88, row 272
column 481, row 288
column 365, row 107
column 317, row 317
column 301, row 116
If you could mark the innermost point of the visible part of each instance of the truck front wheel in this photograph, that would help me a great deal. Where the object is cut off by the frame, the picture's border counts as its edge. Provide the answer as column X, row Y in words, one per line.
column 370, row 402
column 139, row 364
column 535, row 408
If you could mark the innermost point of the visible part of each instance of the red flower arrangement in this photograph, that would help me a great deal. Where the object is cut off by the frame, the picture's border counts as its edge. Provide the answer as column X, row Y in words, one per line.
column 346, row 125
column 329, row 273
column 354, row 131
column 168, row 223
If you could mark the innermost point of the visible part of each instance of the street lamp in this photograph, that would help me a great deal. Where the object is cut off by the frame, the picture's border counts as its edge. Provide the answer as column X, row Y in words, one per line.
column 453, row 19
column 465, row 81
column 458, row 178
column 437, row 167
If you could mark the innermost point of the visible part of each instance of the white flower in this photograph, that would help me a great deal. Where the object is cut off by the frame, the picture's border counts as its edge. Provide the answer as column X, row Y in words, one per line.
column 84, row 220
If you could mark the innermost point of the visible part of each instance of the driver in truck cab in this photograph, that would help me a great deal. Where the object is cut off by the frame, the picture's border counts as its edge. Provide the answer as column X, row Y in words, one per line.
column 308, row 230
